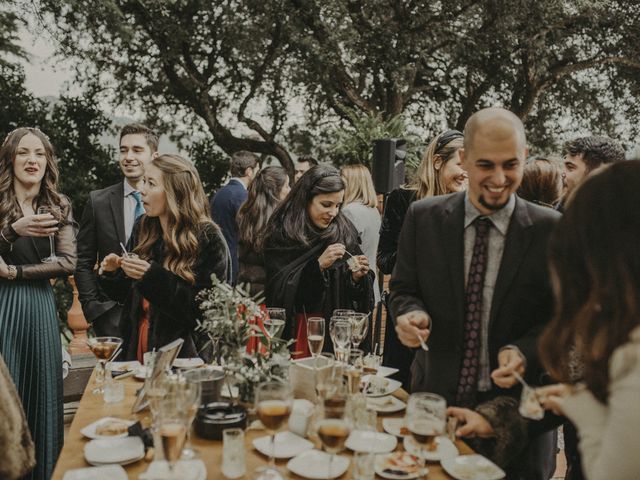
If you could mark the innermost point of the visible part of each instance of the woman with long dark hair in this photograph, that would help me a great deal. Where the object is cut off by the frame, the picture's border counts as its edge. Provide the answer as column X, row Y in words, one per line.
column 177, row 248
column 305, row 253
column 595, row 264
column 29, row 334
column 440, row 172
column 269, row 187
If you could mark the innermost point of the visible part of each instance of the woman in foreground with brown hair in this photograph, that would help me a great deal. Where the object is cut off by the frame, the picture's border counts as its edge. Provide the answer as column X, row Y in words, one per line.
column 177, row 248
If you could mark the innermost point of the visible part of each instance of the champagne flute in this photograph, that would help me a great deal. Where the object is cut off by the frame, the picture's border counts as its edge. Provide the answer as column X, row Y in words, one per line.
column 56, row 212
column 275, row 321
column 359, row 328
column 354, row 371
column 103, row 348
column 333, row 430
column 172, row 428
column 191, row 392
column 315, row 336
column 426, row 419
column 273, row 404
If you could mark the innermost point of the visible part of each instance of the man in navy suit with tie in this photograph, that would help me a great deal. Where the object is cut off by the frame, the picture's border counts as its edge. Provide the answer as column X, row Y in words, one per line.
column 227, row 201
column 107, row 221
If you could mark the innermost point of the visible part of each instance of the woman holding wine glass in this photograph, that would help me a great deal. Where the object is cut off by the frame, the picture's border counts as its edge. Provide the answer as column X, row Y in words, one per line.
column 176, row 249
column 306, row 246
column 29, row 335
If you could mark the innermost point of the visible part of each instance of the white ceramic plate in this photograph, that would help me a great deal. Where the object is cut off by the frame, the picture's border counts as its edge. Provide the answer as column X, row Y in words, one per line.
column 378, row 386
column 314, row 464
column 90, row 430
column 186, row 363
column 393, row 426
column 388, row 404
column 121, row 451
column 384, row 466
column 445, row 448
column 371, row 442
column 386, row 371
column 472, row 467
column 287, row 445
column 110, row 472
column 183, row 469
column 125, row 366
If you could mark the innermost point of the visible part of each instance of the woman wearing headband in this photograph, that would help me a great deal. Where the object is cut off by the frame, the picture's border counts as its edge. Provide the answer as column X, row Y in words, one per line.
column 29, row 334
column 440, row 172
column 308, row 241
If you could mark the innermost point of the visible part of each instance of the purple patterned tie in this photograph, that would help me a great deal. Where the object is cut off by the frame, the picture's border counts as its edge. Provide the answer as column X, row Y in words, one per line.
column 468, row 377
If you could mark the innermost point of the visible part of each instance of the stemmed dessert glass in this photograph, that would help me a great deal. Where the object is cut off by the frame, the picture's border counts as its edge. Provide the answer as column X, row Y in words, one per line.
column 103, row 348
column 273, row 404
column 56, row 212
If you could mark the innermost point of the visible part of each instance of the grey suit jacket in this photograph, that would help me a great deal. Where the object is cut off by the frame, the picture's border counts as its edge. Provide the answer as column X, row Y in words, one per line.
column 429, row 276
column 101, row 231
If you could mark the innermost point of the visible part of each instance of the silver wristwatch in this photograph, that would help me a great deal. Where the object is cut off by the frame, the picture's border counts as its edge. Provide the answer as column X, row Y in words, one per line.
column 12, row 272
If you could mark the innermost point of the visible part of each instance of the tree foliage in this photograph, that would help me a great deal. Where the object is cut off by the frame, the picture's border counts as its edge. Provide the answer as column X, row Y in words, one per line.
column 237, row 69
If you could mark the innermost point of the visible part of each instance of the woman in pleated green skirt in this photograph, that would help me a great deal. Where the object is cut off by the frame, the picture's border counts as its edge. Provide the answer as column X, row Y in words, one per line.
column 29, row 334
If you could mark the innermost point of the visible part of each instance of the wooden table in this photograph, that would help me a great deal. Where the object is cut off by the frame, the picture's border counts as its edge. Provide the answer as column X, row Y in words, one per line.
column 92, row 408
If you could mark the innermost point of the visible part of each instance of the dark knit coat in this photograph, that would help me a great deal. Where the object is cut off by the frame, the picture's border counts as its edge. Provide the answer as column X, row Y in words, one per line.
column 173, row 311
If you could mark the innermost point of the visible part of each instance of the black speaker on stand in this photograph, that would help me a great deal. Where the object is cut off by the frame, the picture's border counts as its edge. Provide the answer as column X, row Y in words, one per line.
column 388, row 171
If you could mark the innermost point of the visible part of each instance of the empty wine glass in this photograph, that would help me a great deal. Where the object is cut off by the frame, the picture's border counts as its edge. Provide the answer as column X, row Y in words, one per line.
column 273, row 404
column 315, row 336
column 341, row 339
column 191, row 393
column 359, row 328
column 103, row 348
column 56, row 212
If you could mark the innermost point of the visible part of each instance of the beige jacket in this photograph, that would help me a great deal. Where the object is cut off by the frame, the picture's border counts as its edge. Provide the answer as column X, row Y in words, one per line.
column 610, row 434
column 16, row 447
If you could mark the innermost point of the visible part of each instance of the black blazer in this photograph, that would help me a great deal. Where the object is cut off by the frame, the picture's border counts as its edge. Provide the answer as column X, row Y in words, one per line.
column 429, row 276
column 101, row 231
column 174, row 310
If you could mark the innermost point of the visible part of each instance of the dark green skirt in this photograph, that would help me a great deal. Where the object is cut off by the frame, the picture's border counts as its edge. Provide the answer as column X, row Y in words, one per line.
column 30, row 345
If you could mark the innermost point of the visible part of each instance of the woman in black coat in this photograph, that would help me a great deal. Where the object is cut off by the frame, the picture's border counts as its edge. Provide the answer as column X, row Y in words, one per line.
column 307, row 245
column 439, row 173
column 177, row 248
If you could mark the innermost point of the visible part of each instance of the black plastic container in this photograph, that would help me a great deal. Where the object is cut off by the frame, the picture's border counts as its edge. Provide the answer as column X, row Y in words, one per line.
column 215, row 417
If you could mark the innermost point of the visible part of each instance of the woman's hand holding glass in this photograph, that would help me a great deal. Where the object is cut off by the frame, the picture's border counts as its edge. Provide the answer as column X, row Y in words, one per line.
column 110, row 263
column 41, row 225
column 363, row 261
column 331, row 254
column 134, row 267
